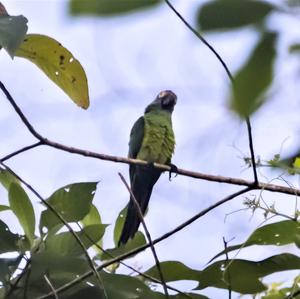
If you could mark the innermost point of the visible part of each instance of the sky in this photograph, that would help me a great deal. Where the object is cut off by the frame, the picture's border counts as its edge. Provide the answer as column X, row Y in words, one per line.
column 128, row 61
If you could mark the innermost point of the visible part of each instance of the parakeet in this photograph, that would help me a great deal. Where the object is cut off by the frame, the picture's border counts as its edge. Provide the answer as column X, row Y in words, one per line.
column 151, row 139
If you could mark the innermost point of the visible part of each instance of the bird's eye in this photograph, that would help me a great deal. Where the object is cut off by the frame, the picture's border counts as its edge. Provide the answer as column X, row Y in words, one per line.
column 162, row 94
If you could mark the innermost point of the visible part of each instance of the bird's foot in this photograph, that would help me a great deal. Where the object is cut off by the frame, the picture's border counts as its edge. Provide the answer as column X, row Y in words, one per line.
column 173, row 169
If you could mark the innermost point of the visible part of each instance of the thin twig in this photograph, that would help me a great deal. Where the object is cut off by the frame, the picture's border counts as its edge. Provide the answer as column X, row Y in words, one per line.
column 218, row 56
column 148, row 236
column 145, row 246
column 51, row 287
column 19, row 151
column 58, row 215
column 227, row 269
column 188, row 173
column 203, row 40
column 248, row 123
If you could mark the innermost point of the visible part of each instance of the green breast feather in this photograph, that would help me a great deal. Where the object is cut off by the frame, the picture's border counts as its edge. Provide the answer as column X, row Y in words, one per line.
column 158, row 142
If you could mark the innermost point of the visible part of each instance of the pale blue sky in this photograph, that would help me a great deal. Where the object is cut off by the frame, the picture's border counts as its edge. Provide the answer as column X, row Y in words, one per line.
column 128, row 60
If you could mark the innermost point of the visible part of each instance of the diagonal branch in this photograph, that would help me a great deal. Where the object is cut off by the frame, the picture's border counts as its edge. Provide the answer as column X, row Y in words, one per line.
column 149, row 239
column 188, row 173
column 218, row 56
column 24, row 149
column 145, row 246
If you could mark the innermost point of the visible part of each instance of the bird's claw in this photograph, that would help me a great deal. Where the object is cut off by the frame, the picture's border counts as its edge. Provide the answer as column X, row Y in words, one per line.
column 173, row 169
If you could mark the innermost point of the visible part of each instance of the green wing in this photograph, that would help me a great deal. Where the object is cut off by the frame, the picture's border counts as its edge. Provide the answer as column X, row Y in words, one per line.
column 136, row 137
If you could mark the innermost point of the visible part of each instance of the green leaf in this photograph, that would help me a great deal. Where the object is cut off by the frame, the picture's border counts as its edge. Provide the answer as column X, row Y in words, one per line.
column 58, row 64
column 174, row 271
column 232, row 14
column 137, row 241
column 245, row 276
column 9, row 241
column 128, row 288
column 254, row 78
column 66, row 244
column 93, row 217
column 12, row 32
column 295, row 48
column 119, row 225
column 278, row 234
column 72, row 202
column 6, row 178
column 4, row 208
column 7, row 267
column 109, row 7
column 22, row 208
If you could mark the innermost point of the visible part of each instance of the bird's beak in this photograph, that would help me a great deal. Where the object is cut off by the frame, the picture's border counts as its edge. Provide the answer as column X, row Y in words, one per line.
column 169, row 101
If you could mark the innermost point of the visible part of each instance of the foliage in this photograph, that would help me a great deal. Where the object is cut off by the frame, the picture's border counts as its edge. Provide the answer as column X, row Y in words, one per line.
column 47, row 252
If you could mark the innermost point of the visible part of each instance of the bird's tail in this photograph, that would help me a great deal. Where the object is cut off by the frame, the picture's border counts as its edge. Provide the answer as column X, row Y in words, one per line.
column 141, row 185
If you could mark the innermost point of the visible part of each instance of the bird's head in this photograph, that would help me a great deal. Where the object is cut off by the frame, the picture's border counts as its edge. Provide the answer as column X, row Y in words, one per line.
column 165, row 100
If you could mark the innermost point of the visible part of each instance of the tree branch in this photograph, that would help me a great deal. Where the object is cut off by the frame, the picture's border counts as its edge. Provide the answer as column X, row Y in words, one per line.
column 24, row 149
column 188, row 173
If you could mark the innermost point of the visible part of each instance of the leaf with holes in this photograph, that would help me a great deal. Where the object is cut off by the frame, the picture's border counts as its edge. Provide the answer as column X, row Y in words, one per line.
column 245, row 276
column 21, row 205
column 72, row 202
column 58, row 64
column 278, row 234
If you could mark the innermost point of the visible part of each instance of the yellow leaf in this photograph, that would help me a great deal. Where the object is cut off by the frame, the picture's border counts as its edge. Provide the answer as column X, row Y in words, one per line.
column 58, row 64
column 296, row 163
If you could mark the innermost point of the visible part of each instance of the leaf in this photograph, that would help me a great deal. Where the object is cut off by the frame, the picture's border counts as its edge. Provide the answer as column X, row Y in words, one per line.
column 93, row 217
column 278, row 233
column 294, row 49
column 8, row 239
column 7, row 267
column 58, row 64
column 232, row 14
column 6, row 178
column 22, row 208
column 66, row 244
column 119, row 225
column 4, row 208
column 128, row 288
column 109, row 7
column 12, row 32
column 137, row 241
column 245, row 276
column 174, row 271
column 72, row 202
column 254, row 78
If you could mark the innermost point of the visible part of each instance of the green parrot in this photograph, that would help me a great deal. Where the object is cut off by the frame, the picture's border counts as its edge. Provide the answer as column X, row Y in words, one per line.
column 151, row 139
